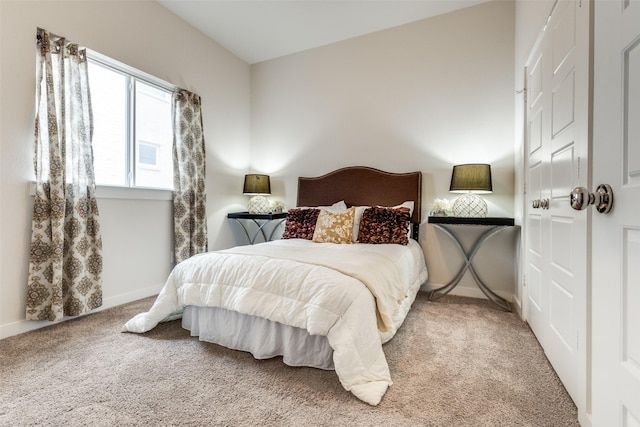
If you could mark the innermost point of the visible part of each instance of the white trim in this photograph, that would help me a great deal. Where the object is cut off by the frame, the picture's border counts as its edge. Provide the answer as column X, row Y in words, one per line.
column 22, row 326
column 133, row 193
column 126, row 193
column 127, row 69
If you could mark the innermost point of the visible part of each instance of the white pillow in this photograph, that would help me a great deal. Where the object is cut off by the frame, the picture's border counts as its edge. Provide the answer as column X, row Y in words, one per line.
column 409, row 204
column 356, row 221
column 337, row 207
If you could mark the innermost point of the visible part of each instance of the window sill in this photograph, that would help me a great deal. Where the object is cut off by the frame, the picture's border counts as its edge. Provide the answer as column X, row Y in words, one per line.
column 104, row 192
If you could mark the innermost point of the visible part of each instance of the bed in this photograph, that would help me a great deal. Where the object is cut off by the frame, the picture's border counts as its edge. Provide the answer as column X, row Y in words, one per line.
column 329, row 294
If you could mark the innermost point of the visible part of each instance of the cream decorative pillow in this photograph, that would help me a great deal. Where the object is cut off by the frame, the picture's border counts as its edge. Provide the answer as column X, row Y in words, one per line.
column 334, row 227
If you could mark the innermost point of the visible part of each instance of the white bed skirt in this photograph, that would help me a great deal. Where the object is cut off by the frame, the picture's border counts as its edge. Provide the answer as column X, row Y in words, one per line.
column 262, row 338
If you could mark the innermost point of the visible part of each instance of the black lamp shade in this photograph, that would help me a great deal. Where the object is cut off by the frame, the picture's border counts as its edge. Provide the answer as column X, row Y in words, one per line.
column 471, row 178
column 256, row 184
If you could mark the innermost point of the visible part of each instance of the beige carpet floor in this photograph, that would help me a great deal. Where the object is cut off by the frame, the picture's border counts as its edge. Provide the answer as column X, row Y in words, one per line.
column 455, row 362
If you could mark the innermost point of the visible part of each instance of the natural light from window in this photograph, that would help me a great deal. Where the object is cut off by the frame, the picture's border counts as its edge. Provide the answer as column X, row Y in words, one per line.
column 132, row 134
column 154, row 138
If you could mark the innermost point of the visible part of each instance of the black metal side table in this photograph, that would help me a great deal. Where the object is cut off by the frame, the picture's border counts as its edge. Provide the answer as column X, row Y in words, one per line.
column 260, row 220
column 493, row 226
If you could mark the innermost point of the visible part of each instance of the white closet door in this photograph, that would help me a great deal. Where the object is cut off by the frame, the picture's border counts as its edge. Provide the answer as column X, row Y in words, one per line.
column 616, row 236
column 557, row 150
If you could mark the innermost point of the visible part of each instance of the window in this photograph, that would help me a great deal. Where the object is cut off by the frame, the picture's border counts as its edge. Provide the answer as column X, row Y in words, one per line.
column 148, row 155
column 132, row 131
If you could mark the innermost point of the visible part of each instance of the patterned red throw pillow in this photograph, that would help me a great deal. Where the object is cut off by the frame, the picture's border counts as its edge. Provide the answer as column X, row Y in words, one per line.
column 300, row 224
column 384, row 225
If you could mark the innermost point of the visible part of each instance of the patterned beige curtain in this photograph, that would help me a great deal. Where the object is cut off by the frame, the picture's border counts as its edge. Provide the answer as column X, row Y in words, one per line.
column 189, row 197
column 65, row 263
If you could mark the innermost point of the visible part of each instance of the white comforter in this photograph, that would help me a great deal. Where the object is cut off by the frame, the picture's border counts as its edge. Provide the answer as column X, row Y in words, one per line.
column 352, row 294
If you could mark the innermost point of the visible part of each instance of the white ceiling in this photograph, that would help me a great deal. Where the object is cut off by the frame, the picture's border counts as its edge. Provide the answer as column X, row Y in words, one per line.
column 259, row 30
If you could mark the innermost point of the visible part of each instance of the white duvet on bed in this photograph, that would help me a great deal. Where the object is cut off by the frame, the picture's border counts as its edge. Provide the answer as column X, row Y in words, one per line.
column 352, row 294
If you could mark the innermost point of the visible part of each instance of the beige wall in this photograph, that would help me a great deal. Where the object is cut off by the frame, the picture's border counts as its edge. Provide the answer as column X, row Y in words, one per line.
column 422, row 96
column 137, row 234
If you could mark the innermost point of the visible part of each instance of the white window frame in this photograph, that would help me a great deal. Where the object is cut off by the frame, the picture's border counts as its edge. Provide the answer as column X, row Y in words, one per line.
column 130, row 190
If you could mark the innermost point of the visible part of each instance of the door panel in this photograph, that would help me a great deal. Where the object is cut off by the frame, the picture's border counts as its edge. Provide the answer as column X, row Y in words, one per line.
column 560, row 318
column 556, row 240
column 561, row 258
column 536, row 319
column 564, row 33
column 535, row 132
column 616, row 236
column 631, row 112
column 534, row 277
column 535, row 252
column 631, row 298
column 562, row 167
column 534, row 95
column 563, row 104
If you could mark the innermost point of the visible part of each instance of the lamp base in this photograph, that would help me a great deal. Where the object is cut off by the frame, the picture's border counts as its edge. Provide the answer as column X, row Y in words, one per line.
column 470, row 206
column 259, row 205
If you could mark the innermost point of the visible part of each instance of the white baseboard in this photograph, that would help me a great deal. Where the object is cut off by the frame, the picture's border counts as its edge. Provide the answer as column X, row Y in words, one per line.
column 516, row 306
column 23, row 326
column 117, row 300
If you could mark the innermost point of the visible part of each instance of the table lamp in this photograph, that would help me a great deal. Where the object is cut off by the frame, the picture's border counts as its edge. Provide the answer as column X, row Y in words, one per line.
column 471, row 179
column 257, row 186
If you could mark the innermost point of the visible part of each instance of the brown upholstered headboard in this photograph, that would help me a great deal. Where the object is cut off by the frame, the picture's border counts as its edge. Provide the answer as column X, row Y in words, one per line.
column 364, row 186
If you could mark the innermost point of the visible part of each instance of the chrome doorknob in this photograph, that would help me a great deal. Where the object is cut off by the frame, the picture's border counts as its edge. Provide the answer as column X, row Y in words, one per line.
column 544, row 203
column 540, row 203
column 602, row 198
